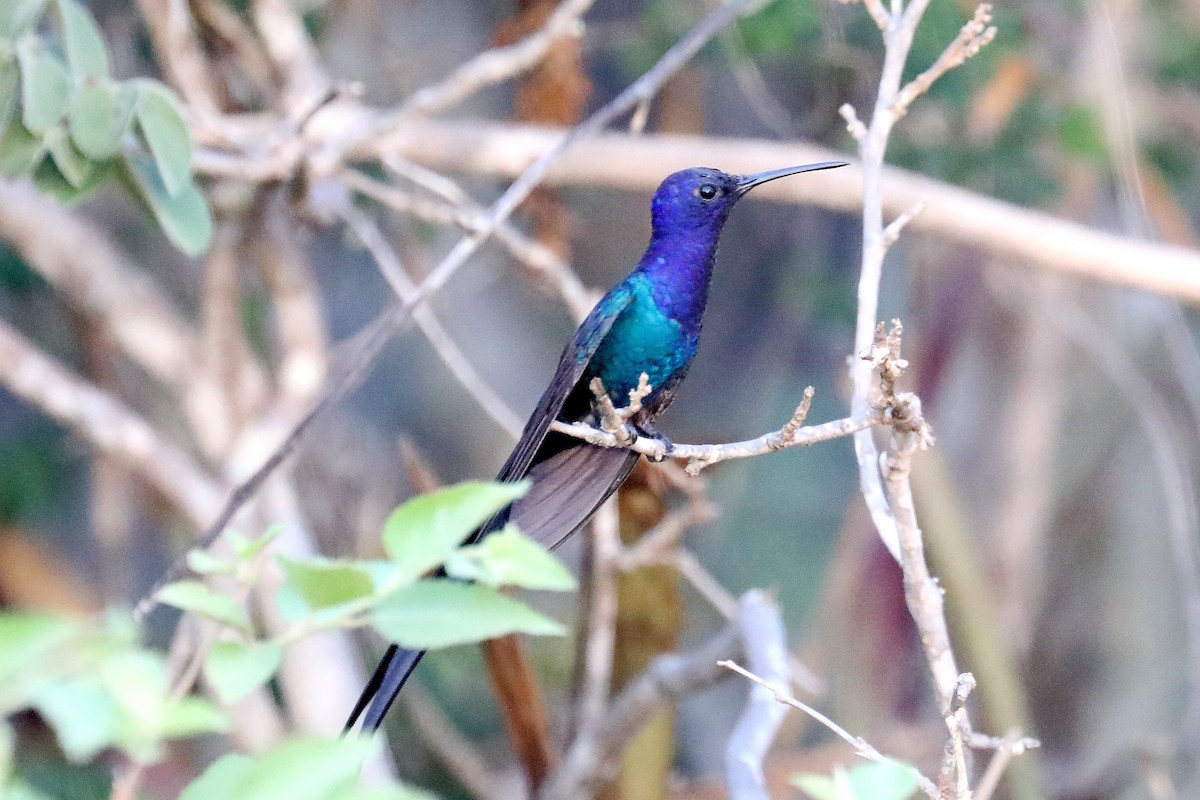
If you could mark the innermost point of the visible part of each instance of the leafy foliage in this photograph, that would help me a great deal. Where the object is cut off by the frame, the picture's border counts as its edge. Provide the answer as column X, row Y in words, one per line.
column 67, row 124
column 98, row 689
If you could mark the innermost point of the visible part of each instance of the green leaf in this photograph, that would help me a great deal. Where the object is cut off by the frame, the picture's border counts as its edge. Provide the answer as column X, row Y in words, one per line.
column 234, row 670
column 387, row 793
column 25, row 638
column 508, row 558
column 161, row 123
column 83, row 715
column 183, row 217
column 889, row 780
column 196, row 597
column 304, row 769
column 99, row 118
column 45, row 86
column 440, row 613
column 324, row 583
column 8, row 747
column 203, row 562
column 192, row 716
column 248, row 549
column 73, row 164
column 20, row 150
column 10, row 87
column 422, row 533
column 50, row 181
column 84, row 44
column 220, row 779
column 19, row 16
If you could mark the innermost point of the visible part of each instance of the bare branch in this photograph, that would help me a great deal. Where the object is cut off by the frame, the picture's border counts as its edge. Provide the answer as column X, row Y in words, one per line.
column 109, row 425
column 765, row 642
column 861, row 746
column 454, row 359
column 973, row 37
column 499, row 64
column 595, row 753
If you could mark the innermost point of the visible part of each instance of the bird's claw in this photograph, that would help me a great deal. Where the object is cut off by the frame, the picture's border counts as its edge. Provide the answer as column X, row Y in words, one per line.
column 668, row 446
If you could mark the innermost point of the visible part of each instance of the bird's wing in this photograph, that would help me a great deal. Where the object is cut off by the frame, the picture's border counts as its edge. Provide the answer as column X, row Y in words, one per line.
column 571, row 366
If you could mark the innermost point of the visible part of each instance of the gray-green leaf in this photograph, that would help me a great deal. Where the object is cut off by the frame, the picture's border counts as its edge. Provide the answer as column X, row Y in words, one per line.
column 440, row 613
column 234, row 670
column 99, row 118
column 183, row 217
column 86, row 54
column 166, row 134
column 19, row 16
column 73, row 165
column 10, row 86
column 422, row 533
column 45, row 86
column 20, row 150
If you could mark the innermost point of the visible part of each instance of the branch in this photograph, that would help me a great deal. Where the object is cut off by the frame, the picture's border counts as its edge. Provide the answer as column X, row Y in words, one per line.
column 637, row 163
column 595, row 754
column 861, row 746
column 765, row 642
column 974, row 36
column 110, row 426
column 499, row 64
column 81, row 263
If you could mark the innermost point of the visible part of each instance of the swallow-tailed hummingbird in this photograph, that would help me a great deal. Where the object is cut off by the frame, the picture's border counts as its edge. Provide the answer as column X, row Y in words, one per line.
column 648, row 323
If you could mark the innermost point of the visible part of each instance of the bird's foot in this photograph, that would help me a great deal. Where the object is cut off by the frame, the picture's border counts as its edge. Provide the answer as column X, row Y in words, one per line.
column 647, row 430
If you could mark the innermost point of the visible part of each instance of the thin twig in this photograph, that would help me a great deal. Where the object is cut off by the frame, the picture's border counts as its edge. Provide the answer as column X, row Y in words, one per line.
column 861, row 746
column 499, row 64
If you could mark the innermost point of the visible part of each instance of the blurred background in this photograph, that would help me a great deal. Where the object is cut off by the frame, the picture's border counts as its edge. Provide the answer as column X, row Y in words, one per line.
column 1059, row 506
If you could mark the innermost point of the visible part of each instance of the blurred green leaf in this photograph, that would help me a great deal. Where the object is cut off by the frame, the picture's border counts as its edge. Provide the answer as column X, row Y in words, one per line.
column 19, row 16
column 220, row 779
column 84, row 716
column 86, row 54
column 508, row 558
column 304, row 769
column 183, row 217
column 234, row 670
column 386, row 793
column 422, row 533
column 137, row 681
column 441, row 613
column 45, row 86
column 25, row 638
column 20, row 150
column 198, row 598
column 50, row 180
column 192, row 716
column 1081, row 135
column 889, row 780
column 166, row 134
column 8, row 746
column 73, row 165
column 10, row 87
column 100, row 117
column 203, row 562
column 324, row 583
column 248, row 549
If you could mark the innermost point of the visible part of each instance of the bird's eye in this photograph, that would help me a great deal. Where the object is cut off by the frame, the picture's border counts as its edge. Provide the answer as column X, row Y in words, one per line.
column 707, row 191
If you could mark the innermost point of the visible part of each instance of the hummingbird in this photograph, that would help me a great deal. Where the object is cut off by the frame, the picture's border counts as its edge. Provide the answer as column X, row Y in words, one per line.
column 648, row 324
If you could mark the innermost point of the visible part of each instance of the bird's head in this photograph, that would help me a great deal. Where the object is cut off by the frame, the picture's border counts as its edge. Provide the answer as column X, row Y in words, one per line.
column 700, row 198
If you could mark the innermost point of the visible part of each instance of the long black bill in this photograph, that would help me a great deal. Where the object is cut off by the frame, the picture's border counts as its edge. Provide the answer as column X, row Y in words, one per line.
column 747, row 182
